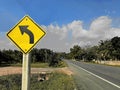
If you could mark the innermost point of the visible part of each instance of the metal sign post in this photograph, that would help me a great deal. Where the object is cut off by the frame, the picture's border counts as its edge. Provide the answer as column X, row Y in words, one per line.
column 25, row 35
column 26, row 72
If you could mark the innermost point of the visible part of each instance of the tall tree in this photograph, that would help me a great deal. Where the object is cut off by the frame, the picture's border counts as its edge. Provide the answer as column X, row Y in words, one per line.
column 116, row 47
column 76, row 52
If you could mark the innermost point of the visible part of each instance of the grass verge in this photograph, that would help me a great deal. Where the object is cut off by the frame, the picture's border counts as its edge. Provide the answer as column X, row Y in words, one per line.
column 41, row 65
column 57, row 81
column 33, row 65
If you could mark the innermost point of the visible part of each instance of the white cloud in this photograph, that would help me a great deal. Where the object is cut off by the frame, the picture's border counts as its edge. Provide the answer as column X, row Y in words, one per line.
column 61, row 38
column 77, row 29
column 100, row 29
column 100, row 24
column 5, row 43
column 55, row 29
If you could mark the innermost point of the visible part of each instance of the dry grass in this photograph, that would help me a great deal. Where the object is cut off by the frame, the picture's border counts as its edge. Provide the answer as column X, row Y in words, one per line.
column 65, row 70
column 111, row 63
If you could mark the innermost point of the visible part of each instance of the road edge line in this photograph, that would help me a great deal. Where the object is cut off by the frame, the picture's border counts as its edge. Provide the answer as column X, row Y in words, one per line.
column 97, row 76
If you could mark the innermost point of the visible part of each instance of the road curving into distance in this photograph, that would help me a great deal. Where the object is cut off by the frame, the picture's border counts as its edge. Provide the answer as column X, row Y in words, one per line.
column 94, row 76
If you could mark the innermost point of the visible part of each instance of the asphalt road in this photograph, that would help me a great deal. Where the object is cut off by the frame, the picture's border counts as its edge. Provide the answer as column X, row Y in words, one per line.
column 95, row 77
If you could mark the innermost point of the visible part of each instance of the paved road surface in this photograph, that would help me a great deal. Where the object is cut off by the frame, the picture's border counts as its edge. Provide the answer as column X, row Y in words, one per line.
column 95, row 77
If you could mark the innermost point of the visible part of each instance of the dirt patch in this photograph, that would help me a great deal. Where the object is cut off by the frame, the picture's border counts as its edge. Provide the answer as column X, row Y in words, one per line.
column 18, row 70
column 10, row 70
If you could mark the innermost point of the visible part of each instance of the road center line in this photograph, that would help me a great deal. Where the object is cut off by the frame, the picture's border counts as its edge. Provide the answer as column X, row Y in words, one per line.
column 97, row 76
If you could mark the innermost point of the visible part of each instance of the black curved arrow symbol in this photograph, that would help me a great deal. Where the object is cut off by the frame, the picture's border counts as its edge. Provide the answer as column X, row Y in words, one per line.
column 24, row 29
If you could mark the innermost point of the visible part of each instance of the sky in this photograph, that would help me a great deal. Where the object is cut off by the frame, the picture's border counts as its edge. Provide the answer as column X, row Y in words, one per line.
column 66, row 22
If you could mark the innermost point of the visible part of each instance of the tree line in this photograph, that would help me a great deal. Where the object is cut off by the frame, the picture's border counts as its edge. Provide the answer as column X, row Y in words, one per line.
column 37, row 56
column 105, row 50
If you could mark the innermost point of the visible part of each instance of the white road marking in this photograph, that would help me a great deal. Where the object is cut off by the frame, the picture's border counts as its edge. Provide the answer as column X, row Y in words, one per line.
column 97, row 76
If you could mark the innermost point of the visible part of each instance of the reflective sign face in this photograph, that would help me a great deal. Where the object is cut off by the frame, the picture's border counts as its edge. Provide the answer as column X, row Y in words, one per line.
column 26, row 34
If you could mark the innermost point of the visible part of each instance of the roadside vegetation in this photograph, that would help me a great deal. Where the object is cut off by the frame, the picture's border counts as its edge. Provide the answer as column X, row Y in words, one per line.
column 42, row 65
column 106, row 50
column 39, row 58
column 56, row 81
column 33, row 65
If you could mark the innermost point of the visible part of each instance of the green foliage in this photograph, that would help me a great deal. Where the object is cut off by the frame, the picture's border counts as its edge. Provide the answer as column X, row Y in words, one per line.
column 46, row 56
column 106, row 50
column 40, row 65
column 62, row 64
column 11, row 82
column 41, row 55
column 60, row 81
column 55, row 60
column 116, row 47
column 10, row 57
column 57, row 81
column 76, row 52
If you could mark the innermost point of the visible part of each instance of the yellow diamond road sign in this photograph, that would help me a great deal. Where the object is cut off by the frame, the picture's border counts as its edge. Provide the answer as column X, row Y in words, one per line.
column 26, row 34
